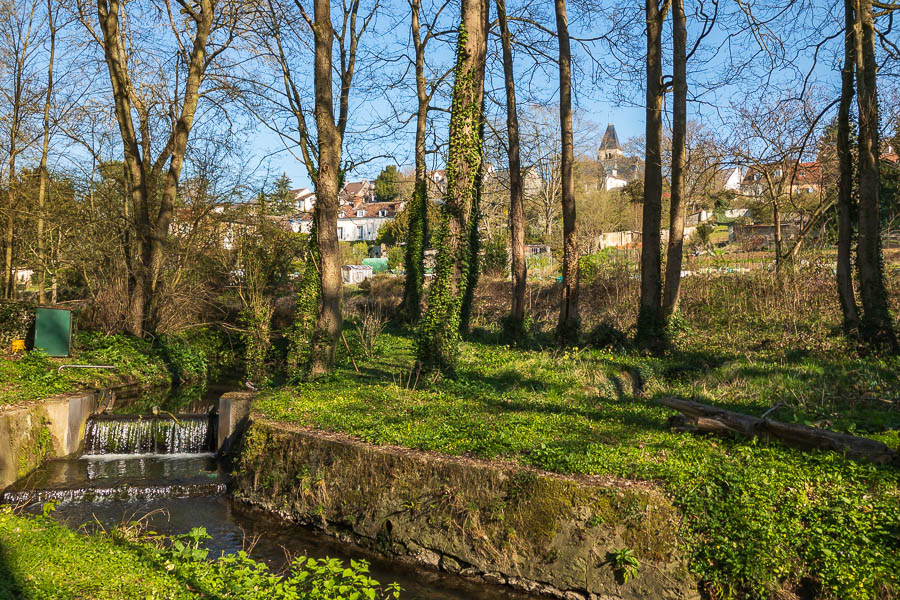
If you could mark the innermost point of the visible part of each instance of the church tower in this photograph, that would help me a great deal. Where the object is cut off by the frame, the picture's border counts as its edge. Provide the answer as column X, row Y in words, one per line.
column 609, row 147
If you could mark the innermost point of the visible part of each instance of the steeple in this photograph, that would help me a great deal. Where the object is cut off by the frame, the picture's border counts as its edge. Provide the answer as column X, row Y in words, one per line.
column 609, row 147
column 610, row 140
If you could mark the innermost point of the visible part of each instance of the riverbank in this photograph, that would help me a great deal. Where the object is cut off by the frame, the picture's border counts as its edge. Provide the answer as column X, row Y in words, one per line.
column 758, row 519
column 41, row 559
column 190, row 357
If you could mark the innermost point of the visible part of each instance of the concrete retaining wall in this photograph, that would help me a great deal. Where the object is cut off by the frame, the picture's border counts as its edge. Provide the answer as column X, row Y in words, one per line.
column 489, row 520
column 51, row 428
column 234, row 416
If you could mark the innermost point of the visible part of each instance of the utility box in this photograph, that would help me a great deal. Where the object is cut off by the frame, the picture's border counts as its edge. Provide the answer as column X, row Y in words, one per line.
column 53, row 331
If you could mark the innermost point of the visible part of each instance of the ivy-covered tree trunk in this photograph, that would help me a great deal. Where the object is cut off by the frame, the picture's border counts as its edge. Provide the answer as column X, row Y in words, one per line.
column 679, row 133
column 516, row 323
column 876, row 327
column 305, row 315
column 650, row 326
column 437, row 345
column 844, row 270
column 328, row 323
column 468, row 299
column 569, row 321
column 417, row 233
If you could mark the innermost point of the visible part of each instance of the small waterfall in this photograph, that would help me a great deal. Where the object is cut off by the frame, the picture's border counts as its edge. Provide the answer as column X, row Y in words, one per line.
column 149, row 434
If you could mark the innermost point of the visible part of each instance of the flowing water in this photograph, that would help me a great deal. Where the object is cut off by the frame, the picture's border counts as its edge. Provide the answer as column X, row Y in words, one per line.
column 162, row 468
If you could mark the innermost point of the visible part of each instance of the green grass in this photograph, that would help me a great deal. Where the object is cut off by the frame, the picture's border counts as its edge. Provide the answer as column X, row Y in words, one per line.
column 40, row 559
column 757, row 517
column 189, row 357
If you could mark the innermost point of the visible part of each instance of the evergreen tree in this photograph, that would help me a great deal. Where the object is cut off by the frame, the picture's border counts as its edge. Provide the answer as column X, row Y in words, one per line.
column 386, row 187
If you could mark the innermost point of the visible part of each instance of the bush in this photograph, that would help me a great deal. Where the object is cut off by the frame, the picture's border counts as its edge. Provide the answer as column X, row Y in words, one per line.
column 395, row 258
column 16, row 319
column 605, row 335
column 496, row 257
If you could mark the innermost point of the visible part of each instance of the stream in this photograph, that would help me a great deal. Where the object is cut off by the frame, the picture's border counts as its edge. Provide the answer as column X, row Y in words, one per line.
column 163, row 468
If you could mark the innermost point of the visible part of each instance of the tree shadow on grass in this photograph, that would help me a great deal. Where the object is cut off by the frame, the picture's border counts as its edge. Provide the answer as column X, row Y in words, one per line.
column 10, row 588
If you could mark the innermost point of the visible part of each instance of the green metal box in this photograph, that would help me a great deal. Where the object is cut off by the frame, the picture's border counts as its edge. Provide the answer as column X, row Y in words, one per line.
column 53, row 331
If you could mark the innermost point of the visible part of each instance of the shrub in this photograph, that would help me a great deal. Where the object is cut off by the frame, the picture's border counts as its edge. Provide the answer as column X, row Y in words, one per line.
column 496, row 257
column 16, row 319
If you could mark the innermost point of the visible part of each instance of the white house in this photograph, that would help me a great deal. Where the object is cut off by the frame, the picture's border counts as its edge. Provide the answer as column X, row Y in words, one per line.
column 358, row 222
column 359, row 216
column 733, row 182
column 305, row 199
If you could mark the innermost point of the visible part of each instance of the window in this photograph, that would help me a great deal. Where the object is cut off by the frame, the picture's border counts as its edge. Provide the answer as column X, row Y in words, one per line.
column 340, row 233
column 341, row 215
column 756, row 176
column 360, row 213
column 359, row 232
column 777, row 172
column 382, row 213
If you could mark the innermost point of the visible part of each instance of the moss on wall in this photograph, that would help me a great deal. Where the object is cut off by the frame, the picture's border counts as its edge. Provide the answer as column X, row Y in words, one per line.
column 535, row 530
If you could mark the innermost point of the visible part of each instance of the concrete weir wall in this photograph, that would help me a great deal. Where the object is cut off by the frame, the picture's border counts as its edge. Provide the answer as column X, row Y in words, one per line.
column 491, row 520
column 51, row 428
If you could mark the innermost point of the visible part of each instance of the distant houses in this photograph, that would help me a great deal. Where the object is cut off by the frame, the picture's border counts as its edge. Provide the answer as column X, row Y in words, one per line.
column 360, row 217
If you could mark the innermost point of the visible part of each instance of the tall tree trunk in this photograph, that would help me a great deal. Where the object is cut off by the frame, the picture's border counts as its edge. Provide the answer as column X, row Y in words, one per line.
column 42, row 169
column 876, row 327
column 418, row 205
column 438, row 336
column 569, row 320
column 849, row 309
column 9, row 282
column 328, row 323
column 650, row 327
column 779, row 243
column 474, row 268
column 516, row 323
column 679, row 133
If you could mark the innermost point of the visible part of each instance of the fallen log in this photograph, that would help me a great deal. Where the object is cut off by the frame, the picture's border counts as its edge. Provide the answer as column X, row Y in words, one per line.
column 712, row 419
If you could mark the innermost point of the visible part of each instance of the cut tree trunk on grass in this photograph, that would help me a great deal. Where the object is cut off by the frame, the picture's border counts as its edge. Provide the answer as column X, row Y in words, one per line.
column 711, row 419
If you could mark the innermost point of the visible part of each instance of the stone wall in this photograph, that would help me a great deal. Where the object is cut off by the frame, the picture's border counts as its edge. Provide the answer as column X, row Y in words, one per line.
column 495, row 521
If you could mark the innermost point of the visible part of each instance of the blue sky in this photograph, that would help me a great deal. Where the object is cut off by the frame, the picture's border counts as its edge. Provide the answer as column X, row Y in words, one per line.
column 608, row 101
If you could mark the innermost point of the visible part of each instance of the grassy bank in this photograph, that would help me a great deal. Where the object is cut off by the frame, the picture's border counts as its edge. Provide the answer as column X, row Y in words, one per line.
column 190, row 357
column 760, row 519
column 41, row 559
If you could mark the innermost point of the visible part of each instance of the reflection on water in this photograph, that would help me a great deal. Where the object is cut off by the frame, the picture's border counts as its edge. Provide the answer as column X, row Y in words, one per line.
column 235, row 526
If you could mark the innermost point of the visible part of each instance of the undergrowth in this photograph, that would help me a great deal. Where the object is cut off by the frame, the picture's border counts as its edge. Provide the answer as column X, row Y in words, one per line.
column 189, row 357
column 41, row 559
column 759, row 518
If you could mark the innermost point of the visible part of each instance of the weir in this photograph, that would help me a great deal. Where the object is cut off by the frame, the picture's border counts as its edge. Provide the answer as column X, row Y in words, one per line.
column 164, row 434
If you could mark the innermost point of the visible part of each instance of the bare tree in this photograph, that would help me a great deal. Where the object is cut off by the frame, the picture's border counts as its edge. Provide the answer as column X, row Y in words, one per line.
column 679, row 134
column 328, row 324
column 876, row 325
column 19, row 35
column 569, row 320
column 418, row 207
column 145, row 99
column 650, row 326
column 45, row 150
column 516, row 193
column 844, row 270
column 282, row 104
